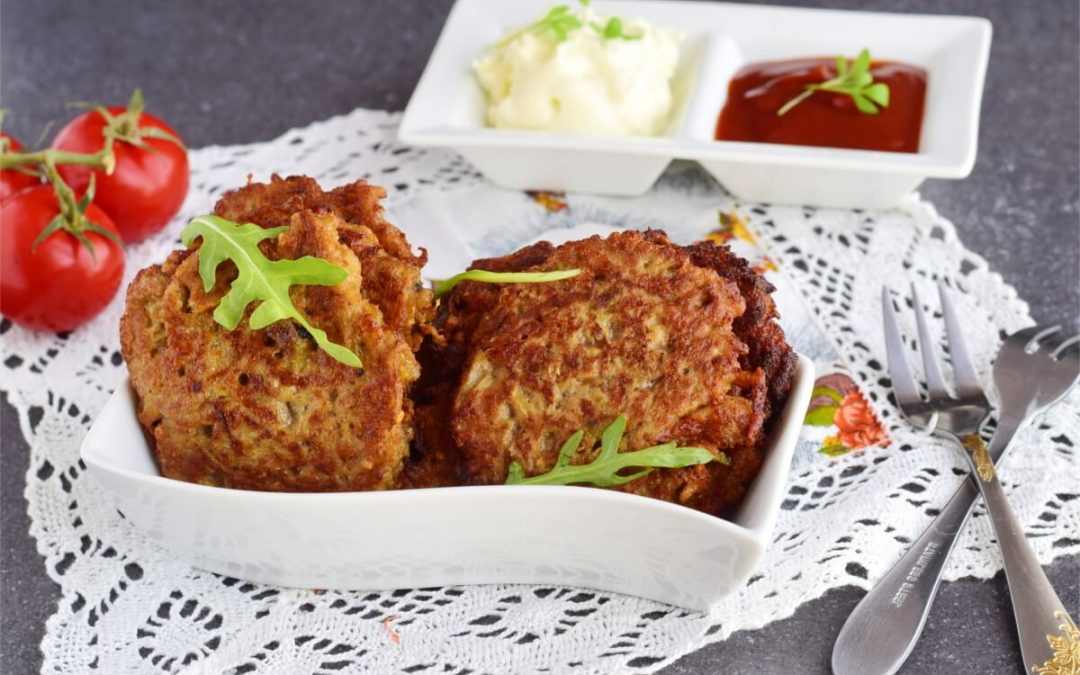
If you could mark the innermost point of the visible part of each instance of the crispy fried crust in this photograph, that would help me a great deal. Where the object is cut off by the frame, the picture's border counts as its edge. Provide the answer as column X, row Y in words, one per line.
column 648, row 329
column 768, row 348
column 267, row 409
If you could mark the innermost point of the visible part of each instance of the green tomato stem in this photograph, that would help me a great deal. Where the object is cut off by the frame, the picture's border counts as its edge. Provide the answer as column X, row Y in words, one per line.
column 64, row 194
column 102, row 159
column 72, row 218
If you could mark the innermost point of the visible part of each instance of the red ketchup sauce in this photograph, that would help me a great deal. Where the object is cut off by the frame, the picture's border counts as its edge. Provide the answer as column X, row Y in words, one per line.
column 825, row 118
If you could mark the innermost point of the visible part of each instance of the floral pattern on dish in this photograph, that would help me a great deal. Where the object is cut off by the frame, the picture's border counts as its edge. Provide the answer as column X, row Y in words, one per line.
column 837, row 403
column 553, row 202
column 733, row 227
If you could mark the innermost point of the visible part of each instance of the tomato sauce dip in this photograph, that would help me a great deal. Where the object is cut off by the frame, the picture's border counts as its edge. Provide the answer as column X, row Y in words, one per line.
column 825, row 118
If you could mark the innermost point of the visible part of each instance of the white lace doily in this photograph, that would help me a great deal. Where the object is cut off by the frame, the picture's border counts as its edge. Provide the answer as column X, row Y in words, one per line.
column 128, row 607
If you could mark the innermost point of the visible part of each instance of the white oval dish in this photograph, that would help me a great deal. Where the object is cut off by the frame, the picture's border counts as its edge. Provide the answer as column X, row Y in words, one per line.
column 448, row 536
column 447, row 107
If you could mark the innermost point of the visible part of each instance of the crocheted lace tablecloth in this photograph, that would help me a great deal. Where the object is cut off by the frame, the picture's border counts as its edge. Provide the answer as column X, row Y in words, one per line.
column 862, row 484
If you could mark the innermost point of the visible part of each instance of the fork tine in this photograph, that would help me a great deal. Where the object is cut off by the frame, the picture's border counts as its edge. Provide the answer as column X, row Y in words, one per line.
column 1041, row 338
column 1066, row 345
column 967, row 382
column 935, row 383
column 907, row 392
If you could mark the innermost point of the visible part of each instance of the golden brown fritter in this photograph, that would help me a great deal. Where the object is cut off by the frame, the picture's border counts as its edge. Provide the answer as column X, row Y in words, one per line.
column 267, row 409
column 649, row 329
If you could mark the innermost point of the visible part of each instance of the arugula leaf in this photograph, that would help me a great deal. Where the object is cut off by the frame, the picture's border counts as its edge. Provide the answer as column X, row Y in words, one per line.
column 603, row 470
column 446, row 285
column 854, row 80
column 260, row 279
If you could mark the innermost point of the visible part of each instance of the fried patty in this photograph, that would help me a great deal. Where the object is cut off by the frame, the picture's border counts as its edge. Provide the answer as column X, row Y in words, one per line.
column 267, row 409
column 681, row 340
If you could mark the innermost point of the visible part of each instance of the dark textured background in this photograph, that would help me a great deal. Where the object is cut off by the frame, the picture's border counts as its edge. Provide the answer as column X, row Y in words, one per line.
column 247, row 71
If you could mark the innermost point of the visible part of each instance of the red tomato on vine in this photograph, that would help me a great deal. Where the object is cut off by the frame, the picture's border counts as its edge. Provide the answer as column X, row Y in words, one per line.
column 150, row 178
column 60, row 263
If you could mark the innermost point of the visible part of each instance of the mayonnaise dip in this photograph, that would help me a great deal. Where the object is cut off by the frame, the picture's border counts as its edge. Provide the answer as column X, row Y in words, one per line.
column 584, row 84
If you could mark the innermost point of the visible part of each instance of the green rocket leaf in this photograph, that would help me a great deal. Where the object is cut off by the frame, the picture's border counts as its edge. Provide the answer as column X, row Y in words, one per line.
column 603, row 470
column 444, row 286
column 260, row 279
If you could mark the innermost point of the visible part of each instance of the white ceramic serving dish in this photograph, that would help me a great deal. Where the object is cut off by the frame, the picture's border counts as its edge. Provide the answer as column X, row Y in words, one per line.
column 447, row 536
column 447, row 107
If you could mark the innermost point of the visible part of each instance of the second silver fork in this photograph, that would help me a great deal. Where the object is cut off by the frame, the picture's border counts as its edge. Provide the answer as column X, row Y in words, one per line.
column 1035, row 368
column 1041, row 619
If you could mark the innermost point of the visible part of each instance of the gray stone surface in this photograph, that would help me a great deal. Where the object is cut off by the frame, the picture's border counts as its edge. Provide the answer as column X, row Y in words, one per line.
column 247, row 71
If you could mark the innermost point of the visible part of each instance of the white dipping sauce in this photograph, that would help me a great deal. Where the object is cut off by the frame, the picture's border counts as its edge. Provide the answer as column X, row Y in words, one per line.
column 585, row 84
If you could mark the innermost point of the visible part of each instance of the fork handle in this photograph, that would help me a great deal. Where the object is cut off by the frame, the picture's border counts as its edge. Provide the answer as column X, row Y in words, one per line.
column 883, row 628
column 1041, row 618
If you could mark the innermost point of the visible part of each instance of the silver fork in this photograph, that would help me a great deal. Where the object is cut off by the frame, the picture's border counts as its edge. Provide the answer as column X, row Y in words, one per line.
column 1035, row 368
column 1040, row 615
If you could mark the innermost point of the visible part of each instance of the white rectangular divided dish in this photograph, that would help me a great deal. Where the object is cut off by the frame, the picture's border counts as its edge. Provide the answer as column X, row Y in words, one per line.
column 448, row 536
column 447, row 108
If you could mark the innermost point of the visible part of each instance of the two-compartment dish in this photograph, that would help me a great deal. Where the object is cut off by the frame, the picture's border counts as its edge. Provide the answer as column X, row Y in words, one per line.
column 448, row 106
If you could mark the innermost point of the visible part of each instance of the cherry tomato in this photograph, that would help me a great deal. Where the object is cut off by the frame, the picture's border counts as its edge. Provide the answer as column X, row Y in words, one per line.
column 12, row 181
column 57, row 285
column 146, row 188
